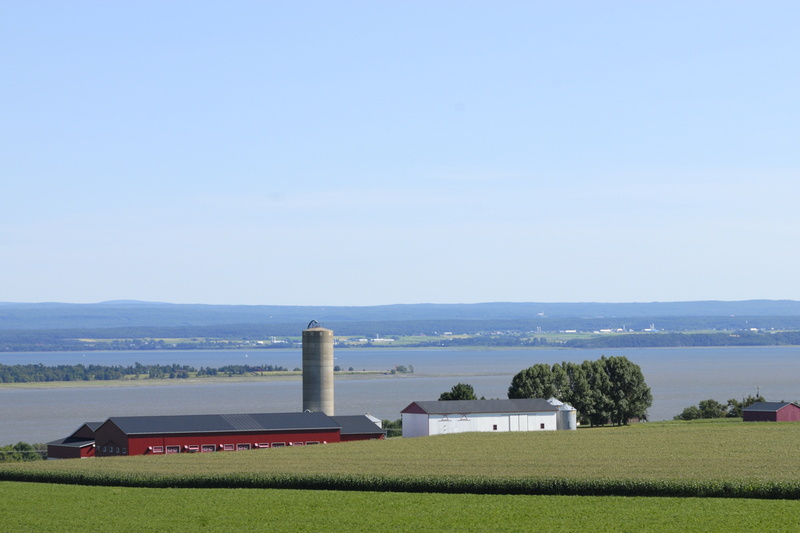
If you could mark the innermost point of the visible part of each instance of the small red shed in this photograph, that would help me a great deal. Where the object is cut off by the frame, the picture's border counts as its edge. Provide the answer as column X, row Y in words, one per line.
column 771, row 412
column 79, row 445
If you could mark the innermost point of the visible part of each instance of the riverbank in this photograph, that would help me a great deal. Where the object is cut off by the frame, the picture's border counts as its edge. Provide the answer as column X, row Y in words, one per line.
column 209, row 380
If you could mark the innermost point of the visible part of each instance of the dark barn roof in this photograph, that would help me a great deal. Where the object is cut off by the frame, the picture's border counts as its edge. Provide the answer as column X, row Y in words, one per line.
column 449, row 407
column 148, row 425
column 357, row 425
column 71, row 442
column 770, row 407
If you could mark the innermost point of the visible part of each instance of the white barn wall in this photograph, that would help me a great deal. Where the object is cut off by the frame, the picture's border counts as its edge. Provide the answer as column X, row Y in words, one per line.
column 415, row 425
column 442, row 425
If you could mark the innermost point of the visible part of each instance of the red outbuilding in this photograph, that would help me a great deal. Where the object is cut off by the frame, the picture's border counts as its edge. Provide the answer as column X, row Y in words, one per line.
column 771, row 412
column 78, row 445
column 155, row 435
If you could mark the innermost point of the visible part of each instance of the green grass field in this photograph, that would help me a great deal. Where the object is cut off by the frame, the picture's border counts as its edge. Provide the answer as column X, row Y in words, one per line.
column 35, row 507
column 711, row 453
column 720, row 450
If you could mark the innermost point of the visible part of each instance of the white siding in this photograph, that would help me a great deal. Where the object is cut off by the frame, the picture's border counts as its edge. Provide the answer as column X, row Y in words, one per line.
column 415, row 425
column 484, row 422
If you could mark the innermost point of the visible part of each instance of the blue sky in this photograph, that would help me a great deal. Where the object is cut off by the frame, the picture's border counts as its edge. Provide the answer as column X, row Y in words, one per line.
column 363, row 153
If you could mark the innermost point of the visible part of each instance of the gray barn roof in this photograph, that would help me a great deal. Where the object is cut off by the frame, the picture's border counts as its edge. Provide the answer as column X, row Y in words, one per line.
column 461, row 407
column 357, row 424
column 144, row 425
column 766, row 406
column 71, row 442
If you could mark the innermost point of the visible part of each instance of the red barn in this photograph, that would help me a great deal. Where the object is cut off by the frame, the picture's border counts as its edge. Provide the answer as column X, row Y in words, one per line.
column 79, row 445
column 771, row 412
column 154, row 435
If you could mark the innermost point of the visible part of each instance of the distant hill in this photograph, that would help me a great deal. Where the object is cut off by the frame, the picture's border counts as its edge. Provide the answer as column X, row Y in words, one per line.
column 127, row 314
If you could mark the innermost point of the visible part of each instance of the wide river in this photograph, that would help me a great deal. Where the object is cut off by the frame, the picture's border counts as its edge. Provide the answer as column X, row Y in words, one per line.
column 678, row 377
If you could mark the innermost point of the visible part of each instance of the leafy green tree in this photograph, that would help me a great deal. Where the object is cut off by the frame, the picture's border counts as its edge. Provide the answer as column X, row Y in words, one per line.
column 21, row 452
column 538, row 381
column 690, row 413
column 735, row 407
column 461, row 391
column 598, row 402
column 712, row 409
column 629, row 394
column 393, row 429
column 608, row 389
column 576, row 390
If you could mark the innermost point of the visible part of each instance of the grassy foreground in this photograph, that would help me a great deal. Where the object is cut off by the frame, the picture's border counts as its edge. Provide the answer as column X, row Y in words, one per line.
column 725, row 455
column 41, row 507
column 728, row 458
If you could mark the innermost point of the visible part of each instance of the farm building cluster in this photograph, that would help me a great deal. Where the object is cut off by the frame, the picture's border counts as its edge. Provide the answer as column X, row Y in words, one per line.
column 317, row 424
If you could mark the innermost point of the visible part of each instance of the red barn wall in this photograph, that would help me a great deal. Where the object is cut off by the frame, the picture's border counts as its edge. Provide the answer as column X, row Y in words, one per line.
column 759, row 416
column 141, row 444
column 87, row 451
column 108, row 438
column 789, row 413
column 69, row 452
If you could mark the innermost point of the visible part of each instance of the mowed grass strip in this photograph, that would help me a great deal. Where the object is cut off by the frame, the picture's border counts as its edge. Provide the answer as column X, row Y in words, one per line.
column 673, row 458
column 43, row 507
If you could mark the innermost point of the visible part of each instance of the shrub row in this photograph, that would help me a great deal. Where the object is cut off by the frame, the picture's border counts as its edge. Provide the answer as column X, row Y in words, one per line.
column 434, row 484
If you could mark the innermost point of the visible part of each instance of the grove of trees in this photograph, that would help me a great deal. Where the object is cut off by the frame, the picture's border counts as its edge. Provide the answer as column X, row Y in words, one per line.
column 607, row 390
column 713, row 409
column 22, row 452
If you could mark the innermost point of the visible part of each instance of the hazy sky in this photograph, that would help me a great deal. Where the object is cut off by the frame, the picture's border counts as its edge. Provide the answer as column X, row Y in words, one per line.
column 360, row 153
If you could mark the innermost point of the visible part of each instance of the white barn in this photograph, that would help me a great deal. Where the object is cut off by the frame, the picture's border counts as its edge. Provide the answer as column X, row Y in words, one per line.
column 459, row 416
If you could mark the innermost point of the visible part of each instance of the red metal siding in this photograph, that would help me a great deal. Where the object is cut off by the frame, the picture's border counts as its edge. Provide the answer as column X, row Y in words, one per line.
column 87, row 451
column 415, row 409
column 789, row 413
column 141, row 444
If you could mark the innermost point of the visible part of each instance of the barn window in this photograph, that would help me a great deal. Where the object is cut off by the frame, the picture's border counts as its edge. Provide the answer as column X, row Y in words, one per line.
column 104, row 448
column 312, row 442
column 228, row 447
column 242, row 446
column 541, row 426
column 278, row 444
column 262, row 445
column 193, row 448
column 124, row 451
column 158, row 449
column 208, row 448
column 173, row 449
column 117, row 449
column 494, row 427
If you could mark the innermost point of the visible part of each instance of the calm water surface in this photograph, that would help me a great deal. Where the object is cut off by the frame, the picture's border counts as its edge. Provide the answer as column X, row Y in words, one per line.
column 678, row 377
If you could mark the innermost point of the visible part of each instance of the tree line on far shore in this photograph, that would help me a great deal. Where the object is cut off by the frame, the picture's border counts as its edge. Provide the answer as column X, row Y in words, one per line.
column 35, row 373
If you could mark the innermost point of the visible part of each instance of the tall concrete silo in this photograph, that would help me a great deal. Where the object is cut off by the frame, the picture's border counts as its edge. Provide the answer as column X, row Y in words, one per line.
column 318, row 369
